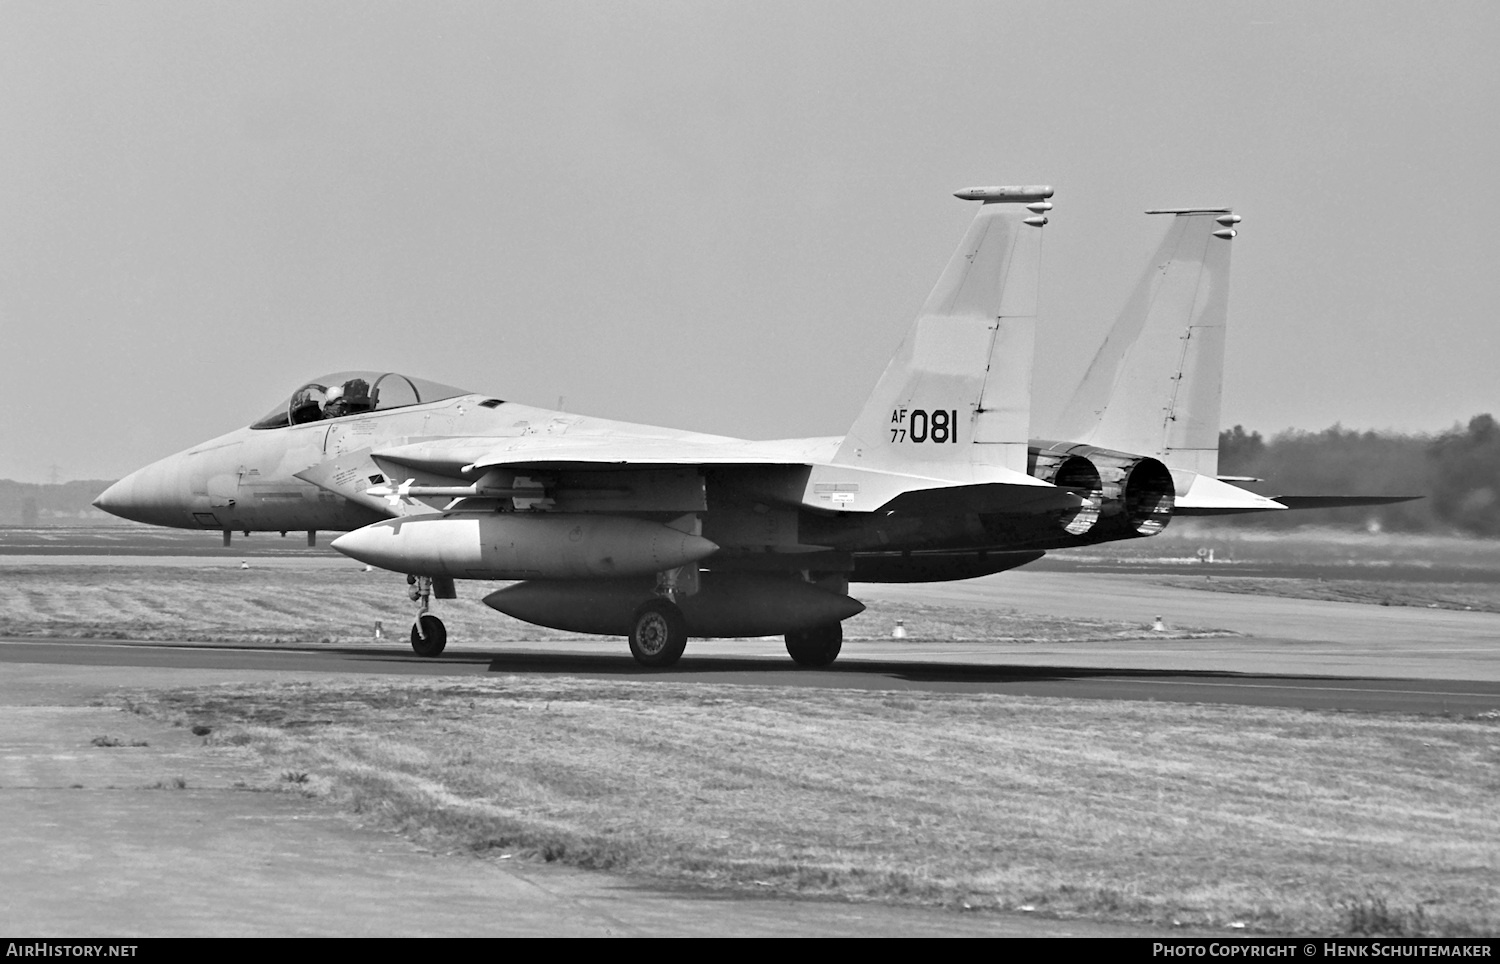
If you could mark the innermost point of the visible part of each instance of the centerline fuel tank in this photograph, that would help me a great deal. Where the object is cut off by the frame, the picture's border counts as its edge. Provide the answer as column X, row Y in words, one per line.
column 727, row 604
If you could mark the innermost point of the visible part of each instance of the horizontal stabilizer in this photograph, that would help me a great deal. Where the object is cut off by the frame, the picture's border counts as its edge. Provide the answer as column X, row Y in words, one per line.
column 1207, row 496
column 1202, row 495
column 1340, row 501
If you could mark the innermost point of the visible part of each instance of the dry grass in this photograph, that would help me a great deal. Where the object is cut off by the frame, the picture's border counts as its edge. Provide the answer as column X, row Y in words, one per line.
column 339, row 605
column 1290, row 821
column 318, row 604
column 1310, row 546
column 944, row 623
column 1477, row 596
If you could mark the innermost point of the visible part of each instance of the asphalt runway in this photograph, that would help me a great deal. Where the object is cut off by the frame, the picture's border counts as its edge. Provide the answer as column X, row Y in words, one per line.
column 945, row 672
column 1286, row 652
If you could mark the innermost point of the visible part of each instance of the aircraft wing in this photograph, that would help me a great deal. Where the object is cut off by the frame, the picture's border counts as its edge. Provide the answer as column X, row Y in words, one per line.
column 790, row 471
column 463, row 456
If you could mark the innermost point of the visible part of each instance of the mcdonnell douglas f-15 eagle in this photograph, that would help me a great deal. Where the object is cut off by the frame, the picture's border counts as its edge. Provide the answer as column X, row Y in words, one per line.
column 660, row 535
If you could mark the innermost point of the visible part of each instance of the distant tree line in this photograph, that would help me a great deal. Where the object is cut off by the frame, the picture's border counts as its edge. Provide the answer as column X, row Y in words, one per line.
column 1457, row 473
column 67, row 503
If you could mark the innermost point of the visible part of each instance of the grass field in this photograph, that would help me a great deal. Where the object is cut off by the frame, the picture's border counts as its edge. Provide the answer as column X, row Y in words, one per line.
column 1476, row 596
column 1200, row 816
column 1437, row 572
column 340, row 605
column 1301, row 547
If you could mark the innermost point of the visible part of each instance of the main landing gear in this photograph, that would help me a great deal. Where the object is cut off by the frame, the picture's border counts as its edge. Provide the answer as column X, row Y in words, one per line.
column 428, row 634
column 659, row 633
column 816, row 647
column 659, row 630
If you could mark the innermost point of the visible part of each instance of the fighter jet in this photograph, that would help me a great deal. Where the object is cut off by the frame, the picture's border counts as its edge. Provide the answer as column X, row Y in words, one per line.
column 660, row 535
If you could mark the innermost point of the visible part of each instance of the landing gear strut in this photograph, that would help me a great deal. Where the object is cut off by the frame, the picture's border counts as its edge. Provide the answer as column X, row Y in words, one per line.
column 428, row 634
column 816, row 647
column 659, row 634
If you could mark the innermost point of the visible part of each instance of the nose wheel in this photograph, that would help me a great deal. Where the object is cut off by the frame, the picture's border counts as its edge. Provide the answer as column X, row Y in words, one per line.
column 428, row 634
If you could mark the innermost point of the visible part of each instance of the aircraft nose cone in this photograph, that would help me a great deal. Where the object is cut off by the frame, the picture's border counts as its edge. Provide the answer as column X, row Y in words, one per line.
column 117, row 499
column 150, row 495
column 108, row 499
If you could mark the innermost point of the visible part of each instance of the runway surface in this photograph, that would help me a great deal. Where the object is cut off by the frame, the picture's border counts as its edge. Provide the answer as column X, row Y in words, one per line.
column 1288, row 652
column 955, row 668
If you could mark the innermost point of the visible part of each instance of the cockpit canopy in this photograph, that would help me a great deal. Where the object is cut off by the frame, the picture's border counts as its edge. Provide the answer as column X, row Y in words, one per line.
column 354, row 393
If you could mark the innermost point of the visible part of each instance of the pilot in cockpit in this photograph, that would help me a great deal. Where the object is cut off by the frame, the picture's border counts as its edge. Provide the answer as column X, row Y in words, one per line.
column 350, row 398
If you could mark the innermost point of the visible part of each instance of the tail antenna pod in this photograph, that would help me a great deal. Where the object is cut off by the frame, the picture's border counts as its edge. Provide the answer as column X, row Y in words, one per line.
column 1027, row 194
column 1226, row 217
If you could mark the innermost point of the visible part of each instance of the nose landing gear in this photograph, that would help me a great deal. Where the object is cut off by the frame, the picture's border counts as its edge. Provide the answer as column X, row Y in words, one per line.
column 428, row 634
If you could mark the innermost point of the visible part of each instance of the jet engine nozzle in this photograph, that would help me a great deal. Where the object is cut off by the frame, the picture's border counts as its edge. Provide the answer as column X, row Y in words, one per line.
column 523, row 545
column 1133, row 494
column 1078, row 475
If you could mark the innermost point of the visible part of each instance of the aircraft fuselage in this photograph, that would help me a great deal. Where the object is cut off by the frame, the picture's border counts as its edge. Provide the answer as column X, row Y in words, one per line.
column 247, row 480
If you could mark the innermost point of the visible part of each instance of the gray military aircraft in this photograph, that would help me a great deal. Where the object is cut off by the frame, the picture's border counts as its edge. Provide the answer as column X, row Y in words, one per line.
column 660, row 535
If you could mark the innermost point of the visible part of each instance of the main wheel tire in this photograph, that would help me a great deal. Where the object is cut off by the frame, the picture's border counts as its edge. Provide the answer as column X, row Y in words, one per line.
column 659, row 634
column 816, row 647
column 436, row 636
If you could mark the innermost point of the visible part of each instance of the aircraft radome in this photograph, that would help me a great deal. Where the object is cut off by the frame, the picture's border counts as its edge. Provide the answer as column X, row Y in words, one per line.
column 660, row 535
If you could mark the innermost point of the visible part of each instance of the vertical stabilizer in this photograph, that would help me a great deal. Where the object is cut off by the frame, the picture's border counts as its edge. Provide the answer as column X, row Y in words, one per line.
column 955, row 401
column 1154, row 387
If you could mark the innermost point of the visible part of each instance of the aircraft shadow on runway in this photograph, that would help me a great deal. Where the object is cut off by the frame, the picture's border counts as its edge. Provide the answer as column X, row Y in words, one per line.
column 774, row 664
column 1346, row 692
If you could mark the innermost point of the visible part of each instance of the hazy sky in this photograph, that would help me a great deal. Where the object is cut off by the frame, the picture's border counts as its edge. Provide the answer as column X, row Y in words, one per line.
column 720, row 216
